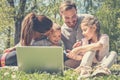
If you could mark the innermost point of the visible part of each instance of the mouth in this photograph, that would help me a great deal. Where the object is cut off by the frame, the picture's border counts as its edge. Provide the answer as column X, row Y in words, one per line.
column 56, row 42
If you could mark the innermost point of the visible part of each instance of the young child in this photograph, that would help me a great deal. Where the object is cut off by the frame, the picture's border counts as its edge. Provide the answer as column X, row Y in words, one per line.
column 94, row 48
column 52, row 39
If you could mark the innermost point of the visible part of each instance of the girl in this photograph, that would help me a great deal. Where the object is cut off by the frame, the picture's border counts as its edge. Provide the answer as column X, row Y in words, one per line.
column 94, row 49
column 33, row 27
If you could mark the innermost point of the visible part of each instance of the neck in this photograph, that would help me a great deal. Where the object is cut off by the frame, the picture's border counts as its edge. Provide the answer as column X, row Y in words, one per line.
column 94, row 39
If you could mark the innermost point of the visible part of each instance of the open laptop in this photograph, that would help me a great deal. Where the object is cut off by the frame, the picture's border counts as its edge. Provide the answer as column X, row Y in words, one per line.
column 40, row 58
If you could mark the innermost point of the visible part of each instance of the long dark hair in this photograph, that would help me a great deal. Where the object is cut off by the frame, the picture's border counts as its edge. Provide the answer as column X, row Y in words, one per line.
column 33, row 23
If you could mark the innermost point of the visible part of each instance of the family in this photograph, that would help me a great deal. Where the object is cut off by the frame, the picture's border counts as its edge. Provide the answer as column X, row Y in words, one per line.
column 86, row 50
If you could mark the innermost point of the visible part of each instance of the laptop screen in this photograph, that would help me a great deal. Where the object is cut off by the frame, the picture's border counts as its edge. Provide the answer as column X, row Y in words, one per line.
column 40, row 58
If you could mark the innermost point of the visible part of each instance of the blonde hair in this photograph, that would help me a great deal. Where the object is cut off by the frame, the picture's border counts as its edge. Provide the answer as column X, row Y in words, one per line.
column 91, row 20
column 56, row 26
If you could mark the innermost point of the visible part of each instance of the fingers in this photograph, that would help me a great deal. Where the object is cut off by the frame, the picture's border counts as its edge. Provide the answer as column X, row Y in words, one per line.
column 68, row 51
column 77, row 44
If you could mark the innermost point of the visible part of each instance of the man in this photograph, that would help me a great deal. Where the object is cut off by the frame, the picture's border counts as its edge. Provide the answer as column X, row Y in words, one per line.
column 71, row 32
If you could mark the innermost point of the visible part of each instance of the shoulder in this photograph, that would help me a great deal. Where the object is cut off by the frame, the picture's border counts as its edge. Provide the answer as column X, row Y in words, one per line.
column 104, row 39
column 42, row 42
column 83, row 15
column 104, row 36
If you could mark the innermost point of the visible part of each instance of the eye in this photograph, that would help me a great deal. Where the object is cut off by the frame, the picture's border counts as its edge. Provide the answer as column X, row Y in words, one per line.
column 74, row 16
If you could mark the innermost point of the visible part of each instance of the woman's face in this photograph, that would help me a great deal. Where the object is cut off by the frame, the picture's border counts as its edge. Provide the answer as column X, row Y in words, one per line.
column 36, row 35
column 88, row 31
column 55, row 36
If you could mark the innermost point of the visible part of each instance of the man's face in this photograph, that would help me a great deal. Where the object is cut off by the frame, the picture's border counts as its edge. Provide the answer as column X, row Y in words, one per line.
column 70, row 17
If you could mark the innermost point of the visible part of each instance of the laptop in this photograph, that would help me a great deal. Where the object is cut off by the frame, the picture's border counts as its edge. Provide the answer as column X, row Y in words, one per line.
column 40, row 59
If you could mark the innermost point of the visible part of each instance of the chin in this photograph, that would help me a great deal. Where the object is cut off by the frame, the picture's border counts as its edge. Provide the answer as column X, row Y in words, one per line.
column 71, row 26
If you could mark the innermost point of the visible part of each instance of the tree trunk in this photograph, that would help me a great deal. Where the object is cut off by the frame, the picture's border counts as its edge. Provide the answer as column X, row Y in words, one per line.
column 18, row 18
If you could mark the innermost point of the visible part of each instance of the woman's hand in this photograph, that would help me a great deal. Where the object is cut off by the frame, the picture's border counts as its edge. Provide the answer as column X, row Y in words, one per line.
column 9, row 50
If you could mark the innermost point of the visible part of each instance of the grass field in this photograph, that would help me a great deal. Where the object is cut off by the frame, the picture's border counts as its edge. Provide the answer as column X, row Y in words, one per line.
column 12, row 74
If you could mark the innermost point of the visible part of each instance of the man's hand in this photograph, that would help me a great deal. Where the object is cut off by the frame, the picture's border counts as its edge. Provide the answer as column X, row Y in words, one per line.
column 77, row 44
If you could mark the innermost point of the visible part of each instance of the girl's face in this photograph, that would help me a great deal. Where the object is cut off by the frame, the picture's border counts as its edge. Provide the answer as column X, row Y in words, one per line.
column 88, row 31
column 55, row 36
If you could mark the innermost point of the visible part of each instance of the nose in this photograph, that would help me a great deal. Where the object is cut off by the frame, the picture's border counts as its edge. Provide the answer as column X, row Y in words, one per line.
column 71, row 20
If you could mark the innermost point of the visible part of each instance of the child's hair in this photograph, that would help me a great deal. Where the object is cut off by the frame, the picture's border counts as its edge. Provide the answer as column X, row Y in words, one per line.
column 34, row 23
column 91, row 20
column 55, row 27
column 67, row 5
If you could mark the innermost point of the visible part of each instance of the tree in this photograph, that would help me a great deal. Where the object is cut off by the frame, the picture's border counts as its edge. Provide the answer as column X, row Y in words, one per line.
column 109, row 14
column 6, row 23
column 18, row 17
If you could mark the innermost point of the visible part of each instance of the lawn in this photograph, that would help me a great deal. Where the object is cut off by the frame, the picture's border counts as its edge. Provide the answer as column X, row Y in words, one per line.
column 12, row 74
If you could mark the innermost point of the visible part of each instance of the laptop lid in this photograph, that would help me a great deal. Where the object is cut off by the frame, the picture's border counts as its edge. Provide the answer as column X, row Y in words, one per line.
column 40, row 58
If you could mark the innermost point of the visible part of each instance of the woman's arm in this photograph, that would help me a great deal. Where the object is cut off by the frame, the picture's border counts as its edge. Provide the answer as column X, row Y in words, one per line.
column 11, row 49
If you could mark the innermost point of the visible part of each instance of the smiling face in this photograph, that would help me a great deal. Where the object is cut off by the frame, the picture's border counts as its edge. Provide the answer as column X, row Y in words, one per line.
column 55, row 37
column 70, row 17
column 89, row 32
column 90, row 27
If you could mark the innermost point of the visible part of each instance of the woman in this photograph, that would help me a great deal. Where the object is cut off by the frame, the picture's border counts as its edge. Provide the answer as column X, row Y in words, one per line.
column 34, row 27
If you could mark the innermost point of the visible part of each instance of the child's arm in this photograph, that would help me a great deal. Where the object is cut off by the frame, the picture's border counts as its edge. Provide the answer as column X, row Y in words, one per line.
column 102, row 43
column 74, row 56
column 83, row 49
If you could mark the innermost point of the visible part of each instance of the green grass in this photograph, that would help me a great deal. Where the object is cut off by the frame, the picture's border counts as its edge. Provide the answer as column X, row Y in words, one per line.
column 11, row 74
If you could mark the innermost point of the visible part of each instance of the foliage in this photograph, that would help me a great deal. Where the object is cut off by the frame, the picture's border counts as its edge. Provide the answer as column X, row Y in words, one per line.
column 50, row 8
column 6, row 24
column 108, row 15
column 12, row 74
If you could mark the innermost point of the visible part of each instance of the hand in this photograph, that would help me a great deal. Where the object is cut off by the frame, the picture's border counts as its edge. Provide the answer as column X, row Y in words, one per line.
column 74, row 51
column 68, row 51
column 77, row 44
column 8, row 50
column 74, row 56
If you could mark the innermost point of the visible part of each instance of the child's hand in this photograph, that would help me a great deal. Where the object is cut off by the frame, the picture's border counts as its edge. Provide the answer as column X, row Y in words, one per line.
column 74, row 51
column 77, row 44
column 74, row 56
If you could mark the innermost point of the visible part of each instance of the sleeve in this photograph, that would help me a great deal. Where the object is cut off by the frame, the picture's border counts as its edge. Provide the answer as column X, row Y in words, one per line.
column 84, row 41
column 104, row 40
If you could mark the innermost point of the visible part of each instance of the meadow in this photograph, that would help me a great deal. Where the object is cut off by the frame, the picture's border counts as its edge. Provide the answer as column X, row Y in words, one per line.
column 13, row 74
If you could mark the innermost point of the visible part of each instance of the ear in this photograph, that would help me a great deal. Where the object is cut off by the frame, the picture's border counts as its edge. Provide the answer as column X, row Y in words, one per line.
column 60, row 13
